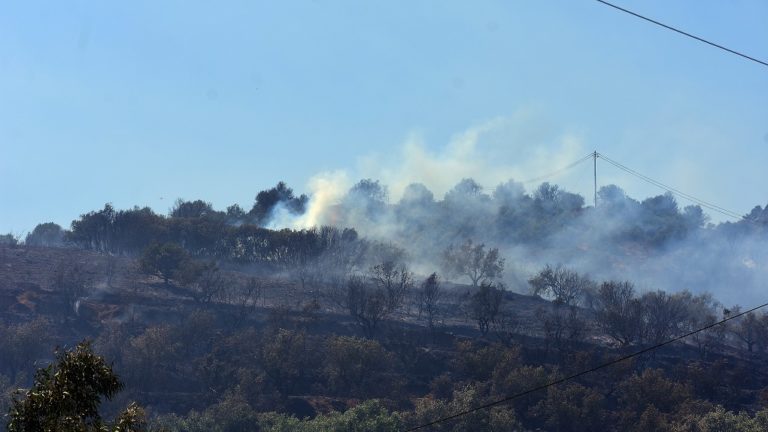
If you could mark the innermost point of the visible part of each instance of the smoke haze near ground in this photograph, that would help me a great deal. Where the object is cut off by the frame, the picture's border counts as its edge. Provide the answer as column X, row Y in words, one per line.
column 425, row 199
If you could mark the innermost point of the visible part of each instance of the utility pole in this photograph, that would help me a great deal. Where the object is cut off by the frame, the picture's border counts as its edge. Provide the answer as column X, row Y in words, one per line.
column 594, row 166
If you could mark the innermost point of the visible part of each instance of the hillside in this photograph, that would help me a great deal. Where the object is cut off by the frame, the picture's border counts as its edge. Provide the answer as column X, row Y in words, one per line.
column 300, row 351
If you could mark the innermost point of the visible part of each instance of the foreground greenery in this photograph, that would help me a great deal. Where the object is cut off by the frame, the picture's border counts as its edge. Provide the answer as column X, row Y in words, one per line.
column 66, row 396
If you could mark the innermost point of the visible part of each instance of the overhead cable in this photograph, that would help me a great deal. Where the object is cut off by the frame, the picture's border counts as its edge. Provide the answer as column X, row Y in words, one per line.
column 684, row 33
column 584, row 372
column 558, row 171
column 689, row 197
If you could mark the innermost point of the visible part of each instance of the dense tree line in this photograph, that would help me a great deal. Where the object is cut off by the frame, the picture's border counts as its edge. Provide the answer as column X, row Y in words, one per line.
column 508, row 215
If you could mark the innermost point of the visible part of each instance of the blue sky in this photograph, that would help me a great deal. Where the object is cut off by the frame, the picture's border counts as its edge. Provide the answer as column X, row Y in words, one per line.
column 140, row 103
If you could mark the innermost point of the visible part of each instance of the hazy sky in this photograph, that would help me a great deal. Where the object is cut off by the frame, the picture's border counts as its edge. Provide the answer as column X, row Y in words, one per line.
column 140, row 103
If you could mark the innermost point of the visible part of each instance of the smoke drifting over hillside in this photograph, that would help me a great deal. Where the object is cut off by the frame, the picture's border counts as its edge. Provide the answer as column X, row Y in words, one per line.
column 426, row 200
column 504, row 148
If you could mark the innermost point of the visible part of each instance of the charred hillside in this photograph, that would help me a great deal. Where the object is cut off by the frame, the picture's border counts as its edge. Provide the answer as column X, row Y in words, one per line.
column 219, row 318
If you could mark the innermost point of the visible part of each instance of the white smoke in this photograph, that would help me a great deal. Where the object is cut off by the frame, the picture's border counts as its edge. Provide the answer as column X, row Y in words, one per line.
column 326, row 191
column 520, row 147
column 491, row 153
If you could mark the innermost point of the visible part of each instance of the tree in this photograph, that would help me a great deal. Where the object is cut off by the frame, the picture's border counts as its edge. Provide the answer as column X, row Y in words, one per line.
column 356, row 366
column 663, row 315
column 617, row 312
column 571, row 408
column 474, row 262
column 562, row 325
column 71, row 280
column 645, row 395
column 95, row 230
column 22, row 344
column 150, row 356
column 267, row 200
column 485, row 305
column 245, row 298
column 66, row 396
column 11, row 240
column 566, row 286
column 231, row 413
column 429, row 296
column 206, row 282
column 394, row 281
column 137, row 228
column 287, row 360
column 367, row 305
column 191, row 209
column 506, row 326
column 719, row 420
column 163, row 260
column 368, row 416
column 749, row 329
column 45, row 234
column 702, row 310
column 235, row 213
column 367, row 198
column 551, row 209
column 496, row 418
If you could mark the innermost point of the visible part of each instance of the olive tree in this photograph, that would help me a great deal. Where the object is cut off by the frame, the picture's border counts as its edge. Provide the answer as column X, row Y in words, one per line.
column 163, row 260
column 617, row 312
column 474, row 262
column 565, row 286
column 485, row 305
column 366, row 304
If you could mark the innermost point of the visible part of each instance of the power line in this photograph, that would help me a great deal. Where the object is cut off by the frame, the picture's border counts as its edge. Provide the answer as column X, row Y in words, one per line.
column 584, row 372
column 556, row 172
column 684, row 33
column 668, row 188
column 711, row 206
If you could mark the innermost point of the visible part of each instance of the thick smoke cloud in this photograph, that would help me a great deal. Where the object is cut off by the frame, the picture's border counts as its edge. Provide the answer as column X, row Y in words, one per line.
column 518, row 146
column 428, row 199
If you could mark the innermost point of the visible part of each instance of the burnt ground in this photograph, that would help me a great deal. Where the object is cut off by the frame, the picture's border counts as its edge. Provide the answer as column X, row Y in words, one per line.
column 119, row 293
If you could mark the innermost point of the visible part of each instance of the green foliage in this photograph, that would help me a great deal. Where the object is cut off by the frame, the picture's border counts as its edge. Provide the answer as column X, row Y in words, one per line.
column 191, row 209
column 571, row 408
column 720, row 420
column 150, row 355
column 649, row 397
column 165, row 260
column 356, row 365
column 286, row 359
column 369, row 416
column 479, row 362
column 45, row 234
column 267, row 200
column 507, row 381
column 231, row 414
column 499, row 418
column 564, row 286
column 485, row 305
column 10, row 240
column 474, row 262
column 22, row 344
column 66, row 397
column 6, row 396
